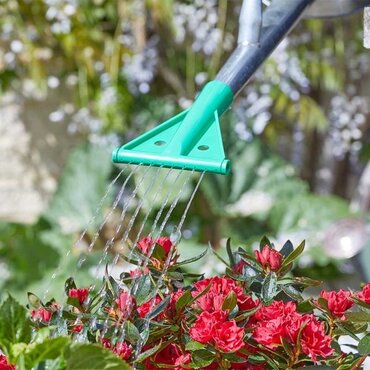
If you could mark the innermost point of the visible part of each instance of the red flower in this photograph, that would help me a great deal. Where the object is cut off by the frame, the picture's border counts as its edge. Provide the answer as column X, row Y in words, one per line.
column 269, row 258
column 4, row 364
column 275, row 309
column 338, row 302
column 238, row 268
column 220, row 288
column 170, row 355
column 106, row 342
column 146, row 307
column 125, row 303
column 279, row 320
column 81, row 294
column 269, row 333
column 364, row 295
column 138, row 272
column 228, row 337
column 41, row 314
column 123, row 350
column 147, row 246
column 77, row 328
column 203, row 329
column 148, row 243
column 314, row 342
column 170, row 310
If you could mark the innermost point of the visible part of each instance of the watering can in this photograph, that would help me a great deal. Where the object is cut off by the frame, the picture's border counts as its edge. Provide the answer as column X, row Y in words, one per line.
column 192, row 139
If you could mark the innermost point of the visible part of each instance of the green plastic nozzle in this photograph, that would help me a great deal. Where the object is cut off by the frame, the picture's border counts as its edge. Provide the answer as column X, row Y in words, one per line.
column 191, row 140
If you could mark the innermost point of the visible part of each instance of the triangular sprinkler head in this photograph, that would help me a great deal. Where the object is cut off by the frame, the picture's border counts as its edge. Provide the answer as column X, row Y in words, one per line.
column 154, row 149
column 191, row 140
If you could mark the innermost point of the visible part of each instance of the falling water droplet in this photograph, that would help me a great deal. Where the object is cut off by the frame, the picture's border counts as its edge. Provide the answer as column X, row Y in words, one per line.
column 175, row 235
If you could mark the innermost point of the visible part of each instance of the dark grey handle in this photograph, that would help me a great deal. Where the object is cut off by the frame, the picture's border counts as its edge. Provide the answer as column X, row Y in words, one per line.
column 335, row 8
column 278, row 20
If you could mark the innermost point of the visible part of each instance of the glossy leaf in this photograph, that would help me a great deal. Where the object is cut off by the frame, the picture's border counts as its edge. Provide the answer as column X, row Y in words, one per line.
column 93, row 357
column 269, row 287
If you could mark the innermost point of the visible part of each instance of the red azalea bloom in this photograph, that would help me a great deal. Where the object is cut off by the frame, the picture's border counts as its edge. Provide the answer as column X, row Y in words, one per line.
column 147, row 243
column 270, row 332
column 228, row 337
column 125, row 303
column 4, row 364
column 220, row 288
column 238, row 268
column 203, row 329
column 41, row 314
column 364, row 295
column 77, row 328
column 269, row 258
column 106, row 342
column 276, row 309
column 315, row 343
column 138, row 272
column 123, row 350
column 81, row 294
column 170, row 355
column 277, row 321
column 146, row 307
column 338, row 302
column 170, row 310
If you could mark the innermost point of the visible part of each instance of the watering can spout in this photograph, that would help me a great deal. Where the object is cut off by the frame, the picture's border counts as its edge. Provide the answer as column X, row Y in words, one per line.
column 191, row 140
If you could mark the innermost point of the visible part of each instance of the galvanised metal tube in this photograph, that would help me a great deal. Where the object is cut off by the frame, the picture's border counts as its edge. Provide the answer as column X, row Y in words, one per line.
column 278, row 20
column 250, row 22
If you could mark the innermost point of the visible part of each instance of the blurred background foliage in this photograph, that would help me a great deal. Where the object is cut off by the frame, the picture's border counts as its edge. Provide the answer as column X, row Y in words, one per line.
column 298, row 135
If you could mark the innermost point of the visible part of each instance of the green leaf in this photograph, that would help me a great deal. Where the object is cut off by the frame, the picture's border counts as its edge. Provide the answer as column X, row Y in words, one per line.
column 194, row 346
column 305, row 306
column 269, row 287
column 151, row 351
column 93, row 357
column 230, row 252
column 132, row 333
column 358, row 316
column 287, row 248
column 143, row 287
column 69, row 284
column 265, row 241
column 34, row 300
column 15, row 326
column 193, row 259
column 292, row 292
column 49, row 349
column 159, row 308
column 293, row 255
column 201, row 358
column 230, row 301
column 158, row 252
column 183, row 301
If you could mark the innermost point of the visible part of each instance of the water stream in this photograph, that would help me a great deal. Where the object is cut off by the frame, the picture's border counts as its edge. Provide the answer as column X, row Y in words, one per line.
column 129, row 215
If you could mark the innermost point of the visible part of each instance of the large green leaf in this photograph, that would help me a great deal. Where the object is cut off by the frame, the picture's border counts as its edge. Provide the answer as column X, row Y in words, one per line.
column 83, row 185
column 93, row 357
column 49, row 349
column 15, row 326
column 26, row 255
